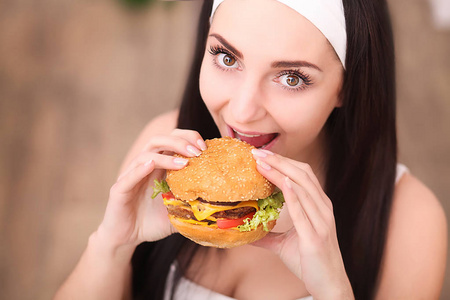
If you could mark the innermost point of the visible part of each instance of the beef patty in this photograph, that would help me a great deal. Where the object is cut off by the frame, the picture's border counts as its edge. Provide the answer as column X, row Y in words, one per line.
column 186, row 212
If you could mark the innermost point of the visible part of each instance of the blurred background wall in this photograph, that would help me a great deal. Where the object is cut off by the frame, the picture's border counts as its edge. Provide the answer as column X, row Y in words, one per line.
column 79, row 80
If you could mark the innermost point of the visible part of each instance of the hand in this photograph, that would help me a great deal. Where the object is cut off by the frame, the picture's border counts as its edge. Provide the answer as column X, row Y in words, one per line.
column 131, row 215
column 310, row 248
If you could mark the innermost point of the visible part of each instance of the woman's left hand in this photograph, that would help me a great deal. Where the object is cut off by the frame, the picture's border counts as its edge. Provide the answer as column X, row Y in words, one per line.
column 310, row 249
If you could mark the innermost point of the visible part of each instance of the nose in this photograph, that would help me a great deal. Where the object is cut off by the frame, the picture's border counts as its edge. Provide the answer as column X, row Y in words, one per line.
column 247, row 103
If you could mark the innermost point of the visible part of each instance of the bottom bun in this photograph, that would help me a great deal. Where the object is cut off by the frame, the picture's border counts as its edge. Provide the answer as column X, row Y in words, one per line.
column 219, row 238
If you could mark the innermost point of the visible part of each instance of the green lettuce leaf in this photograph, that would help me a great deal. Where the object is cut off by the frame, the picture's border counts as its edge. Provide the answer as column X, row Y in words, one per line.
column 269, row 210
column 160, row 187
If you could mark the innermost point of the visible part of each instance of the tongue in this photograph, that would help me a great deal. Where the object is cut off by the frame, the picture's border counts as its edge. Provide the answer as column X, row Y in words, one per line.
column 257, row 141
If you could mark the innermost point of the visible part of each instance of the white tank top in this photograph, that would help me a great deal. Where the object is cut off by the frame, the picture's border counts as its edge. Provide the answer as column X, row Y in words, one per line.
column 187, row 289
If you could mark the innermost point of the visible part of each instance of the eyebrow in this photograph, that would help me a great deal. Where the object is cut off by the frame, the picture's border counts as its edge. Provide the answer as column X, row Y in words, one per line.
column 276, row 64
column 228, row 45
column 295, row 64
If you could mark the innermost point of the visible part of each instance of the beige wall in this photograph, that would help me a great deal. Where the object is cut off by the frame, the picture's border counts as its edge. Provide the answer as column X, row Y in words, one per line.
column 423, row 77
column 78, row 82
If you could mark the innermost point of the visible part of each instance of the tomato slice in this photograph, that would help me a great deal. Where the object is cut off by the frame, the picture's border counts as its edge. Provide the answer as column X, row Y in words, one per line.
column 229, row 223
column 168, row 195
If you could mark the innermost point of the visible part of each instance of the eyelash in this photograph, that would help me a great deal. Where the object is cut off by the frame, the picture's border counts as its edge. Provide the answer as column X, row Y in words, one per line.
column 215, row 50
column 307, row 81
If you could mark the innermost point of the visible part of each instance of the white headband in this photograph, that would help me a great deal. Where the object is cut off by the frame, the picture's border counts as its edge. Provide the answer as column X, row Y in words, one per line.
column 326, row 15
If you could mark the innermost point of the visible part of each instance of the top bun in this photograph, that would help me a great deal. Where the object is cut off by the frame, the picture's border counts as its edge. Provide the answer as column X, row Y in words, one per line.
column 224, row 172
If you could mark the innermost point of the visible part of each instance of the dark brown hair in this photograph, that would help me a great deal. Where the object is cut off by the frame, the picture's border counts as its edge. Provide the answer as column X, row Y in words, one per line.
column 362, row 160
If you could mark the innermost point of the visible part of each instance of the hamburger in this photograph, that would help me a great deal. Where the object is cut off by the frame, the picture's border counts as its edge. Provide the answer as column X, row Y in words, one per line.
column 219, row 199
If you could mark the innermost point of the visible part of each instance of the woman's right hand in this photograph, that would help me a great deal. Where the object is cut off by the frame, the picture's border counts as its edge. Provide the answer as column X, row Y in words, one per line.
column 132, row 216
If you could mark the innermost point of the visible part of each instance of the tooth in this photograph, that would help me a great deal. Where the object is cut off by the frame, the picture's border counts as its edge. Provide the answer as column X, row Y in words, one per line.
column 247, row 135
column 250, row 135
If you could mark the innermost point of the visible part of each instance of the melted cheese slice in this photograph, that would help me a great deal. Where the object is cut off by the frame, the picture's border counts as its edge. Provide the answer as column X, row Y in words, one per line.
column 204, row 211
column 174, row 202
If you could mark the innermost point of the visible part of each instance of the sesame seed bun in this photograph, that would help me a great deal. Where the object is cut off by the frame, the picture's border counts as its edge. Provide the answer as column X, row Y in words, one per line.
column 224, row 172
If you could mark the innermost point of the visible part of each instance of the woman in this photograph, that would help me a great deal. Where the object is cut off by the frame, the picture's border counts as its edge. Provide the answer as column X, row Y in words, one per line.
column 315, row 91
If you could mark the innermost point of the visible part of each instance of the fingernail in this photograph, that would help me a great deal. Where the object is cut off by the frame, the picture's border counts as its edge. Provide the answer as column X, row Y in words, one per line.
column 180, row 161
column 201, row 144
column 259, row 153
column 268, row 152
column 263, row 165
column 148, row 163
column 287, row 180
column 193, row 150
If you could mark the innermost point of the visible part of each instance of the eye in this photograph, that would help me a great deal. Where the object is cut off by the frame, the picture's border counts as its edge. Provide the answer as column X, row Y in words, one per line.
column 293, row 80
column 227, row 60
column 223, row 58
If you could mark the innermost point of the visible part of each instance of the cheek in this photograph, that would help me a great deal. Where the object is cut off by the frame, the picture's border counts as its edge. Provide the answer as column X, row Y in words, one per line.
column 303, row 117
column 212, row 92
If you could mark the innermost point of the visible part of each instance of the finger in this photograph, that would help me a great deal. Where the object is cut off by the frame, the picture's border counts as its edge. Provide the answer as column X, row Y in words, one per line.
column 192, row 136
column 172, row 144
column 300, row 173
column 297, row 195
column 190, row 142
column 307, row 168
column 162, row 161
column 301, row 220
column 129, row 181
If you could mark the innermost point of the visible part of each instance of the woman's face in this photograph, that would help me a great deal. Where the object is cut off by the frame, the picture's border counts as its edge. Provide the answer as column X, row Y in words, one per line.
column 269, row 77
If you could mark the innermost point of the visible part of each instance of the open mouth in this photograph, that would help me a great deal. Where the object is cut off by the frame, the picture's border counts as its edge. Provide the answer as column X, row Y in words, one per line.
column 257, row 140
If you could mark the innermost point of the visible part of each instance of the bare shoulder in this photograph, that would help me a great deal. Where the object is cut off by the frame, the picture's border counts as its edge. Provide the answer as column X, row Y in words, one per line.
column 162, row 124
column 416, row 250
